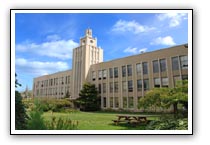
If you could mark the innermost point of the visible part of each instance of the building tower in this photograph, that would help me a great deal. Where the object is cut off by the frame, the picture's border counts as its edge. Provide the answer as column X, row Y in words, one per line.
column 83, row 57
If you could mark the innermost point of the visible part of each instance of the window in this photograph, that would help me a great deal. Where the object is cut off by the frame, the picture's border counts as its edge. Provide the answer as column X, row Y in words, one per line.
column 130, row 102
column 123, row 71
column 116, row 102
column 104, row 102
column 175, row 63
column 69, row 79
column 164, row 82
column 93, row 75
column 146, row 84
column 124, row 102
column 116, row 72
column 111, row 87
column 115, row 87
column 138, row 68
column 66, row 80
column 155, row 66
column 145, row 68
column 162, row 65
column 157, row 82
column 184, row 77
column 110, row 72
column 99, row 74
column 129, row 69
column 111, row 102
column 104, row 74
column 184, row 62
column 130, row 86
column 139, row 85
column 99, row 88
column 104, row 87
column 124, row 86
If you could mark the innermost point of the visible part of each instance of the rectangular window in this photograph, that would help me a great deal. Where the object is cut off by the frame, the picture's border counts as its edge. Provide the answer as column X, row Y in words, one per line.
column 99, row 88
column 162, row 65
column 69, row 79
column 145, row 68
column 65, row 81
column 99, row 74
column 129, row 70
column 157, row 82
column 146, row 84
column 111, row 102
column 165, row 82
column 116, row 102
column 175, row 63
column 123, row 71
column 138, row 68
column 110, row 72
column 104, row 87
column 115, row 87
column 130, row 86
column 124, row 86
column 130, row 102
column 139, row 85
column 184, row 62
column 184, row 77
column 104, row 74
column 111, row 87
column 116, row 72
column 104, row 102
column 124, row 102
column 93, row 75
column 155, row 66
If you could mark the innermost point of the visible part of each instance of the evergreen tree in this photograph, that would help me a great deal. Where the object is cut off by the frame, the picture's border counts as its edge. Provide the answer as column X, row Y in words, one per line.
column 20, row 112
column 89, row 100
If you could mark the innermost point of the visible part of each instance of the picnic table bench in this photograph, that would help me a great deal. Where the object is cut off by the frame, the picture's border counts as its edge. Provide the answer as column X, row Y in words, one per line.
column 132, row 119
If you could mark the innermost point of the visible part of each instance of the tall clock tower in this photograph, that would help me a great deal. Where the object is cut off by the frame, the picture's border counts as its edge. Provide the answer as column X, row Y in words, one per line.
column 83, row 57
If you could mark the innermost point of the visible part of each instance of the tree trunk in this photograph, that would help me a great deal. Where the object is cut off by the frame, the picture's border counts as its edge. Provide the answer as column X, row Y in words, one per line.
column 175, row 108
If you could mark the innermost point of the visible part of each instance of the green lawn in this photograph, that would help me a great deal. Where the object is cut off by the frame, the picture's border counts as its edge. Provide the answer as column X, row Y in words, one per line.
column 95, row 121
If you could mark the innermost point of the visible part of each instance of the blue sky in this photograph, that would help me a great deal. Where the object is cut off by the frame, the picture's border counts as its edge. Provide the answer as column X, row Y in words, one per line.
column 44, row 41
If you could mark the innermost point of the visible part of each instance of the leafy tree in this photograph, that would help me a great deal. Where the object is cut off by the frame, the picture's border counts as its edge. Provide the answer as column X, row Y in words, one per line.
column 20, row 112
column 89, row 100
column 165, row 97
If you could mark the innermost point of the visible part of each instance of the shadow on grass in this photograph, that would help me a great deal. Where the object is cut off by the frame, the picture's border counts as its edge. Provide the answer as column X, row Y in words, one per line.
column 131, row 126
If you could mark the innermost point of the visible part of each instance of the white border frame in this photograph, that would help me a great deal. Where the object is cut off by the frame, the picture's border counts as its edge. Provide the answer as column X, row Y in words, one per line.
column 102, row 132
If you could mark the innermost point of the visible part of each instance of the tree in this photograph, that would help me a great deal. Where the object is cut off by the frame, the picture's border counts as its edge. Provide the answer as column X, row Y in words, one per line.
column 20, row 112
column 89, row 100
column 165, row 97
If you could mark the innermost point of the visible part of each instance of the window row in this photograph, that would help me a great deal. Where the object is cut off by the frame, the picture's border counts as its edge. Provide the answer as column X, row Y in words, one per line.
column 53, row 91
column 53, row 82
column 128, row 102
column 126, row 86
column 178, row 62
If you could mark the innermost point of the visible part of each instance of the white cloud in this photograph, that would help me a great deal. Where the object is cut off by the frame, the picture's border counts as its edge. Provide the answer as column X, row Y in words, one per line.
column 38, row 67
column 134, row 50
column 142, row 50
column 130, row 26
column 168, row 40
column 53, row 37
column 174, row 19
column 61, row 49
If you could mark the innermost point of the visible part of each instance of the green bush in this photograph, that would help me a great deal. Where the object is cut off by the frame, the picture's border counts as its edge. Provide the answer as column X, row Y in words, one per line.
column 36, row 121
column 61, row 124
column 168, row 124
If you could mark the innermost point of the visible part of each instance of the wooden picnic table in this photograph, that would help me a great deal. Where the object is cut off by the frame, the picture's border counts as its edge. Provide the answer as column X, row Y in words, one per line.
column 128, row 118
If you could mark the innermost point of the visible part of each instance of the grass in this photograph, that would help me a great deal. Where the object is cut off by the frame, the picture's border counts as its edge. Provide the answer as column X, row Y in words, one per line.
column 95, row 120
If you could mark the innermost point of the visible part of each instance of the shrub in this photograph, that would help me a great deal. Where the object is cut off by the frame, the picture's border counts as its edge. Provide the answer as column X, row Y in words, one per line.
column 168, row 124
column 36, row 121
column 61, row 124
